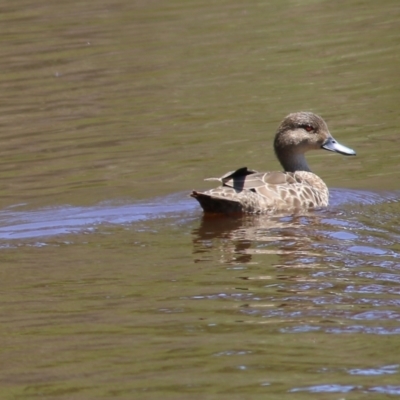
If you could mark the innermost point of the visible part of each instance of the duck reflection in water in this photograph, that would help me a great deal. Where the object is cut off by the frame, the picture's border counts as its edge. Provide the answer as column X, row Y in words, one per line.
column 235, row 239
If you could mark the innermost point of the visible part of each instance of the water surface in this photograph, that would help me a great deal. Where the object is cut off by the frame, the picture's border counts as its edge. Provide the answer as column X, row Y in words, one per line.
column 113, row 284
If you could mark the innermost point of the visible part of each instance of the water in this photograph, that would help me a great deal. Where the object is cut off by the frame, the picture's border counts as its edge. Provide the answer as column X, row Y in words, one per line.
column 113, row 284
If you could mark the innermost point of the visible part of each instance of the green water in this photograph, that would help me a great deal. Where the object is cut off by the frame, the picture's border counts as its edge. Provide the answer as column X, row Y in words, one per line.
column 112, row 283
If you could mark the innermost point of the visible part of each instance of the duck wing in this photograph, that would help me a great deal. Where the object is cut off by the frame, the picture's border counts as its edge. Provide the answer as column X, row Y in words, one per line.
column 246, row 190
column 238, row 174
column 247, row 179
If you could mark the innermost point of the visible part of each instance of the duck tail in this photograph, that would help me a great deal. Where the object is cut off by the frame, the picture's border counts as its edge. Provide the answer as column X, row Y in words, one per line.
column 216, row 205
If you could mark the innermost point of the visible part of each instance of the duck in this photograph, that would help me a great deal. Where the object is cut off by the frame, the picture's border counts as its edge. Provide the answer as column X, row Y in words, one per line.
column 294, row 189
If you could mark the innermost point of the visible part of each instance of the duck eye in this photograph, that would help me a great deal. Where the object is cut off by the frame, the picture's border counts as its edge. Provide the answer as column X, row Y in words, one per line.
column 308, row 128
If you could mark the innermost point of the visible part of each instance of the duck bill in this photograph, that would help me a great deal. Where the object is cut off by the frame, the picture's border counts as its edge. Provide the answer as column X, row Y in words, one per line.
column 332, row 145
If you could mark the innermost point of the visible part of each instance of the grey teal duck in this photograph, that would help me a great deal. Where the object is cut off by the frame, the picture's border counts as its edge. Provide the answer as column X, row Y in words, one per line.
column 294, row 189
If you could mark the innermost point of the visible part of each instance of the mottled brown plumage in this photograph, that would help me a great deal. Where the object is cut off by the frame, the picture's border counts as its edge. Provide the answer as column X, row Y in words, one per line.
column 296, row 188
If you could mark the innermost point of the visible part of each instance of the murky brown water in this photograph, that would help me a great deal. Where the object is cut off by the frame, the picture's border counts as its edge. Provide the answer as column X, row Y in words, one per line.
column 113, row 285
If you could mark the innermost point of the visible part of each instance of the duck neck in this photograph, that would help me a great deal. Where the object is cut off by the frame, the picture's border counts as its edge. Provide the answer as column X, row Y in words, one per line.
column 293, row 161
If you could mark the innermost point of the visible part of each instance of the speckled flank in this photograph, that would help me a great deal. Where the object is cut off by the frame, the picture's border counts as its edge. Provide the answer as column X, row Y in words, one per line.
column 249, row 191
column 264, row 194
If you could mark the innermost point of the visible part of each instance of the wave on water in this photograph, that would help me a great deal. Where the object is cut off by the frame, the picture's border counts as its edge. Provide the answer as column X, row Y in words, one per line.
column 17, row 224
column 339, row 197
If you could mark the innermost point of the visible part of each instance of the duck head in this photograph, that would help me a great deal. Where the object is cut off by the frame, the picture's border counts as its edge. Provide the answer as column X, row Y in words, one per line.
column 300, row 132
